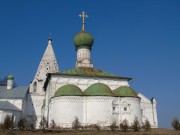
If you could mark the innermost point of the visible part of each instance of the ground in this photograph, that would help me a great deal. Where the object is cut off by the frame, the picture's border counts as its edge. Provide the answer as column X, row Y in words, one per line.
column 152, row 132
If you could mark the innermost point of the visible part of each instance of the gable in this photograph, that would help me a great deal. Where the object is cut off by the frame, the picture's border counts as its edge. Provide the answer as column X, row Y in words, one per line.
column 5, row 105
column 143, row 98
column 90, row 72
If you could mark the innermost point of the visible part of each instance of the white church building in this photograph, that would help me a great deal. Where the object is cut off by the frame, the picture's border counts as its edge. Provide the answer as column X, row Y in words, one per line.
column 90, row 94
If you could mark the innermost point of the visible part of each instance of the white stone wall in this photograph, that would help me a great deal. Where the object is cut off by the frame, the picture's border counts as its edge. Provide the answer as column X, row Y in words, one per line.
column 63, row 110
column 93, row 110
column 38, row 88
column 148, row 111
column 130, row 108
column 89, row 110
column 154, row 113
column 98, row 110
column 83, row 83
column 83, row 53
column 34, row 105
column 83, row 58
column 102, row 110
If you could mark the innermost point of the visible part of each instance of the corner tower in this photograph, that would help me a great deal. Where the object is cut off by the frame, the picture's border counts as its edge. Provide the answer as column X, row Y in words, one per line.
column 83, row 42
column 48, row 64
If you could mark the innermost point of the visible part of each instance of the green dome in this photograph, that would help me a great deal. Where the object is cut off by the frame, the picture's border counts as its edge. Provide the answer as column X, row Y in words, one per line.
column 68, row 90
column 98, row 89
column 10, row 77
column 83, row 39
column 124, row 91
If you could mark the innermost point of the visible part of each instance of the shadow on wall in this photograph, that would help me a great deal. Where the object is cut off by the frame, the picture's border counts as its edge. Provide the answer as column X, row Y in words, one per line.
column 30, row 113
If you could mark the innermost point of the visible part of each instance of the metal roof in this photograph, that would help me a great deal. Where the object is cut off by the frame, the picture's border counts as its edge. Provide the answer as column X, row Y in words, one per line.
column 69, row 90
column 15, row 93
column 98, row 89
column 85, row 72
column 89, row 72
column 5, row 105
column 124, row 91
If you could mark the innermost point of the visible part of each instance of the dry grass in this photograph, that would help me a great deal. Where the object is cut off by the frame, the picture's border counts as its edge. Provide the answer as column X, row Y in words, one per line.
column 71, row 132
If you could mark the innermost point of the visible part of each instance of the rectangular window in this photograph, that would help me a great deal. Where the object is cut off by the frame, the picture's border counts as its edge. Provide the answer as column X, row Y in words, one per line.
column 114, row 108
column 125, row 108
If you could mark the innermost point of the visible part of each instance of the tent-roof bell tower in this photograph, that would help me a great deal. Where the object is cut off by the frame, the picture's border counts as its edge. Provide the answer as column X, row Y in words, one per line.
column 48, row 64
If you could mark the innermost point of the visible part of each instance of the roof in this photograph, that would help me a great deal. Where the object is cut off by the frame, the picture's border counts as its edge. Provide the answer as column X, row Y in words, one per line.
column 5, row 105
column 14, row 93
column 10, row 77
column 68, row 90
column 83, row 39
column 89, row 72
column 125, row 91
column 98, row 89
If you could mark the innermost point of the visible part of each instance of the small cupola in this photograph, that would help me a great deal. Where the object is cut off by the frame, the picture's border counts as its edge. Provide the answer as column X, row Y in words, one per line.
column 10, row 81
column 83, row 42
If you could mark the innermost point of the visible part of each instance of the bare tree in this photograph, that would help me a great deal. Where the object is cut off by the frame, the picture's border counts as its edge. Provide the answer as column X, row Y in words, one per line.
column 22, row 123
column 136, row 125
column 76, row 124
column 147, row 125
column 113, row 126
column 175, row 124
column 43, row 124
column 124, row 125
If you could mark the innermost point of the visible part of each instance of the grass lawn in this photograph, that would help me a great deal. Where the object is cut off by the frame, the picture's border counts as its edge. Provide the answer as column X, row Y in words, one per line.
column 83, row 132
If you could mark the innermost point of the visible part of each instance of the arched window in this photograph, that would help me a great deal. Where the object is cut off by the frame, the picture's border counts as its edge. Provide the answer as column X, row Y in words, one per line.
column 34, row 86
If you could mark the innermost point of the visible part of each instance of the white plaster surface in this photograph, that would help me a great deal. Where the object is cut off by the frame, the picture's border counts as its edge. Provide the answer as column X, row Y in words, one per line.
column 148, row 111
column 83, row 58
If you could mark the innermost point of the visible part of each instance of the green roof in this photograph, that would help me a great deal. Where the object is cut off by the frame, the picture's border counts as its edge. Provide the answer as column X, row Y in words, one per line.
column 124, row 91
column 10, row 77
column 82, row 39
column 68, row 90
column 89, row 72
column 98, row 89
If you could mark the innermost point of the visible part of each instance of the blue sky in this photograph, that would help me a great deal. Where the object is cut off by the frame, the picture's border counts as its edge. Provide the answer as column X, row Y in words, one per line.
column 139, row 39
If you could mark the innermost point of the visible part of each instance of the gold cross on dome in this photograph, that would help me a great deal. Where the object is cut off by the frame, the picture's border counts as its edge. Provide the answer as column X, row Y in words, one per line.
column 83, row 15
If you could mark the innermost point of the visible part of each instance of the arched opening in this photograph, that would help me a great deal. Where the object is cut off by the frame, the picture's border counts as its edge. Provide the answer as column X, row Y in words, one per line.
column 34, row 86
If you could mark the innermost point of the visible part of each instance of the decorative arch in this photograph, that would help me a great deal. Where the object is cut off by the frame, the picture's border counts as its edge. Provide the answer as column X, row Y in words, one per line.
column 35, row 86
